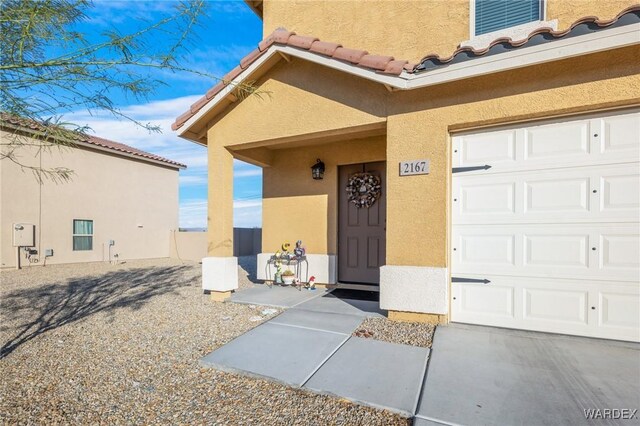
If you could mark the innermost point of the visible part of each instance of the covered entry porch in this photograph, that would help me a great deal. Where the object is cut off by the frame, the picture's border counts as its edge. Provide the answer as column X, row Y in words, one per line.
column 343, row 242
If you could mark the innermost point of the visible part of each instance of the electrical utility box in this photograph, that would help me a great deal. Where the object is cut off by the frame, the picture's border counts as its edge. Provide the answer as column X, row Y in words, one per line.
column 24, row 235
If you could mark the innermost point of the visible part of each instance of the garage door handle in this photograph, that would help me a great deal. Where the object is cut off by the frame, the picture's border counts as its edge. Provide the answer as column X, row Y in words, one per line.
column 469, row 280
column 470, row 168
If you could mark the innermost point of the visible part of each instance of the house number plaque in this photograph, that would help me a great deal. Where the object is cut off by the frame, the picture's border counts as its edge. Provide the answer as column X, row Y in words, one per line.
column 414, row 167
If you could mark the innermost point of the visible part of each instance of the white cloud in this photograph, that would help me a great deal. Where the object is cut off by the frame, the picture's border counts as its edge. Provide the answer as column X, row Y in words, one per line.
column 186, row 180
column 193, row 213
column 157, row 113
column 246, row 204
column 247, row 214
column 247, row 173
column 242, row 169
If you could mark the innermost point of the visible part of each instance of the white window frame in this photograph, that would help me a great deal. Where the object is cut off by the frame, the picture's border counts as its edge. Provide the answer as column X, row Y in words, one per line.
column 517, row 32
column 73, row 234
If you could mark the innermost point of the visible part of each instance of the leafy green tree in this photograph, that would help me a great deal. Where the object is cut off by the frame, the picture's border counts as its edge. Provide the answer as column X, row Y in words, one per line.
column 48, row 68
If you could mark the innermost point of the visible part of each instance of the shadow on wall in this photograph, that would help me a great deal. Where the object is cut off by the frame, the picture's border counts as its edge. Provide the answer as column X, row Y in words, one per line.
column 42, row 309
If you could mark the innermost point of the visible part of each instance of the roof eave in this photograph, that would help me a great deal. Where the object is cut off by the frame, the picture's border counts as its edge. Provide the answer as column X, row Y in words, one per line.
column 255, row 6
column 602, row 40
column 91, row 146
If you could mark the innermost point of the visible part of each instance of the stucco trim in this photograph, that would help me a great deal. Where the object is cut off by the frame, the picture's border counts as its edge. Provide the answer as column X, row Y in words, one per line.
column 602, row 40
column 419, row 289
column 220, row 273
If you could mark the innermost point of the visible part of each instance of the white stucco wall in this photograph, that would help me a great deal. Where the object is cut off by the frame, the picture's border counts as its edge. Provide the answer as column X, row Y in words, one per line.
column 414, row 289
column 133, row 202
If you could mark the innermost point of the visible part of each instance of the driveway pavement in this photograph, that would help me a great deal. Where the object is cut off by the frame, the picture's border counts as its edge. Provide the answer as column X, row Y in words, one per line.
column 491, row 376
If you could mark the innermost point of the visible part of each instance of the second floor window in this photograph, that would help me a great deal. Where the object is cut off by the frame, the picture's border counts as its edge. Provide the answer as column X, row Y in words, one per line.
column 494, row 15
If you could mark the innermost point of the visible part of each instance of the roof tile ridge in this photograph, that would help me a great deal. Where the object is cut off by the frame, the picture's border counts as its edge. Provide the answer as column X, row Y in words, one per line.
column 123, row 147
column 541, row 30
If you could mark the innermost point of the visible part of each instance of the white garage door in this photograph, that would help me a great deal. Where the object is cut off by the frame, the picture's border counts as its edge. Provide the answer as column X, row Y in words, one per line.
column 548, row 237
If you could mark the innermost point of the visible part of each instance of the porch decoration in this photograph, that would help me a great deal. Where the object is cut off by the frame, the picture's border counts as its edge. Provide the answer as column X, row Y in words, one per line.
column 363, row 189
column 288, row 277
column 285, row 247
column 311, row 285
column 299, row 251
column 278, row 264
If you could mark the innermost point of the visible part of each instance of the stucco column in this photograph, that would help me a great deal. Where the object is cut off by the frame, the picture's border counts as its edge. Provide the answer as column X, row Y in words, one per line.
column 220, row 268
column 415, row 278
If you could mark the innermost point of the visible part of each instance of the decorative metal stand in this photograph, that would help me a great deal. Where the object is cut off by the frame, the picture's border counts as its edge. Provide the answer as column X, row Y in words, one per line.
column 295, row 261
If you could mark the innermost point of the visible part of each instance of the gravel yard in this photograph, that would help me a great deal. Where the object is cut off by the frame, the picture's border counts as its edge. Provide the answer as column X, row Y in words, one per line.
column 407, row 333
column 105, row 344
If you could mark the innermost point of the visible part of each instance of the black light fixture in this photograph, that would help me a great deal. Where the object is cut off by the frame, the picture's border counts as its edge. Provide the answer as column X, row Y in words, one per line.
column 317, row 170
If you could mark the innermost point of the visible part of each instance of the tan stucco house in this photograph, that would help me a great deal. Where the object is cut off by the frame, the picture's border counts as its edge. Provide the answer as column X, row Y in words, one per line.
column 120, row 204
column 502, row 140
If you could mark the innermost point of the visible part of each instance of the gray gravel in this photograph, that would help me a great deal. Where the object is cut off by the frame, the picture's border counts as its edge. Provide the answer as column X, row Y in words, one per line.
column 406, row 333
column 104, row 344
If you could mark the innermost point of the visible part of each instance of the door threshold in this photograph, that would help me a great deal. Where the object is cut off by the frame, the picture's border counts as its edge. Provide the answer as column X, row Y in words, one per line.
column 363, row 287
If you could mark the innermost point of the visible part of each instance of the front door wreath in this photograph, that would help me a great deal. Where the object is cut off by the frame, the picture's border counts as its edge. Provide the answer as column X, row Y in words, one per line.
column 363, row 189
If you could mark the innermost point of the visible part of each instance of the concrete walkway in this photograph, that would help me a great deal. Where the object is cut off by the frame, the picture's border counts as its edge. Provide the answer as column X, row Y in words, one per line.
column 310, row 346
column 476, row 375
column 277, row 296
column 491, row 376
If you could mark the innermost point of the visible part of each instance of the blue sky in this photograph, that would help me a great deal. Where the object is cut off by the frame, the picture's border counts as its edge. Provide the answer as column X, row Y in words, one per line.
column 229, row 32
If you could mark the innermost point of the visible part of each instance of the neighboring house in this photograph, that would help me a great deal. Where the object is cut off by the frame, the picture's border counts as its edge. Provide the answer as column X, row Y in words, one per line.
column 117, row 194
column 526, row 115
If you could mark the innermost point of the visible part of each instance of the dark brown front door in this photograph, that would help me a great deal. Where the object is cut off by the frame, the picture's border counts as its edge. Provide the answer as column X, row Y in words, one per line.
column 361, row 231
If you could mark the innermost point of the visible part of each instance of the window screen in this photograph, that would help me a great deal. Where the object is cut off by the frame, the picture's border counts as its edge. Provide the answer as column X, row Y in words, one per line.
column 493, row 15
column 82, row 234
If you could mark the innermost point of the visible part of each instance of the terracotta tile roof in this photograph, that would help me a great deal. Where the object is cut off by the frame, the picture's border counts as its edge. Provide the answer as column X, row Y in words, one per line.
column 361, row 58
column 22, row 123
column 582, row 26
column 391, row 66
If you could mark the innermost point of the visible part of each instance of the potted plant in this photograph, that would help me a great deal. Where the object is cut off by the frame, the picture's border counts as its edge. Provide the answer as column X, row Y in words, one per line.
column 288, row 277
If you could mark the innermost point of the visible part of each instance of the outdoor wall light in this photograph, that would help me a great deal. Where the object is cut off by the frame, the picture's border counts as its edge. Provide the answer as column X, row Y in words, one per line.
column 317, row 170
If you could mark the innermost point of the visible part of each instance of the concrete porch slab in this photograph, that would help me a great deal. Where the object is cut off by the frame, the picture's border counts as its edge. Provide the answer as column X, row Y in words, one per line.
column 375, row 373
column 325, row 321
column 287, row 354
column 491, row 376
column 331, row 304
column 281, row 297
column 419, row 421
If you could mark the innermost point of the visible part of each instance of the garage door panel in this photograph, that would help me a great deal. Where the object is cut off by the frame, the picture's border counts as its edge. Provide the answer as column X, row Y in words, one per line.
column 576, row 194
column 489, row 198
column 592, row 140
column 556, row 250
column 607, row 251
column 563, row 194
column 565, row 306
column 570, row 139
column 494, row 301
column 620, row 133
column 552, row 305
column 620, row 193
column 485, row 249
column 619, row 310
column 494, row 147
column 547, row 237
column 620, row 252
